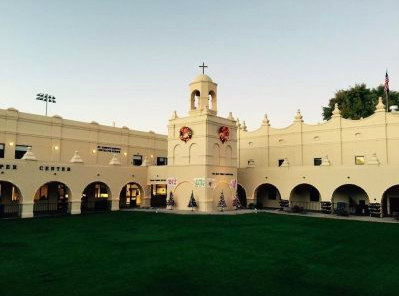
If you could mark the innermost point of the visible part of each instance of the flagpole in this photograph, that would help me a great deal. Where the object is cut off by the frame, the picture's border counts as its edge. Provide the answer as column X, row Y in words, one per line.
column 386, row 88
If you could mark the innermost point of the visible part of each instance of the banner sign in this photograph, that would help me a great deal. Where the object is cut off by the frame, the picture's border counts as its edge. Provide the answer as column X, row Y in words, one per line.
column 172, row 182
column 199, row 182
column 233, row 184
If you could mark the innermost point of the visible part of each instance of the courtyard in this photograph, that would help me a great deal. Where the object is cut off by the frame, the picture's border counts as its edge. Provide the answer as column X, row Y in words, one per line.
column 141, row 253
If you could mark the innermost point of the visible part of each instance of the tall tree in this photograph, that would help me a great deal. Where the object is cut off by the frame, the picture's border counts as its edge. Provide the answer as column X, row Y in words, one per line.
column 358, row 101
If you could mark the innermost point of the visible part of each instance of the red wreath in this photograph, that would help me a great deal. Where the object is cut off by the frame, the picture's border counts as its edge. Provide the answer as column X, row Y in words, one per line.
column 185, row 134
column 224, row 134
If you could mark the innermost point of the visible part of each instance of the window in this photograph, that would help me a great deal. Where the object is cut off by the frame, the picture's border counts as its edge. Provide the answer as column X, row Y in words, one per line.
column 20, row 151
column 317, row 161
column 137, row 160
column 359, row 160
column 280, row 162
column 162, row 160
column 1, row 150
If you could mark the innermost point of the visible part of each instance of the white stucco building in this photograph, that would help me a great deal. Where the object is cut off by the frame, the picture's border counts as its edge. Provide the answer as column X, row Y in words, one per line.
column 54, row 165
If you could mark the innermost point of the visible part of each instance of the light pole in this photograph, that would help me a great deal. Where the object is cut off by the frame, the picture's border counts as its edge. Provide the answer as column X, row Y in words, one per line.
column 45, row 97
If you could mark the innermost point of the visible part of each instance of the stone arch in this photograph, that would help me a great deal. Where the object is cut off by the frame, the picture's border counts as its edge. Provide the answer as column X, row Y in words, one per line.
column 95, row 197
column 177, row 154
column 242, row 195
column 10, row 199
column 390, row 201
column 182, row 193
column 51, row 198
column 131, row 195
column 306, row 196
column 267, row 196
column 228, row 195
column 216, row 154
column 195, row 97
column 212, row 100
column 228, row 155
column 194, row 154
column 354, row 197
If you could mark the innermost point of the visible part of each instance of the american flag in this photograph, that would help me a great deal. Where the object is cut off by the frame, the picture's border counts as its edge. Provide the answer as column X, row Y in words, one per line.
column 386, row 84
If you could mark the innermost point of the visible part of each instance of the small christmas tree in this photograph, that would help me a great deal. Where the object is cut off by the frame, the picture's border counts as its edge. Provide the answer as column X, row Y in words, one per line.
column 171, row 201
column 236, row 201
column 192, row 203
column 222, row 202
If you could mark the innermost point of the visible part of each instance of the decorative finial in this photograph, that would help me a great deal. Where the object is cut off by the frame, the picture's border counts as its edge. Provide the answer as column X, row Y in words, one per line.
column 298, row 116
column 285, row 163
column 174, row 115
column 145, row 162
column 336, row 112
column 265, row 121
column 76, row 158
column 380, row 106
column 244, row 127
column 114, row 160
column 29, row 155
column 230, row 116
column 373, row 160
column 238, row 123
column 325, row 161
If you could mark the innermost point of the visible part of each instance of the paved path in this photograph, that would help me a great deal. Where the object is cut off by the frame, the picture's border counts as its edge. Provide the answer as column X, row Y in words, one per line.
column 277, row 212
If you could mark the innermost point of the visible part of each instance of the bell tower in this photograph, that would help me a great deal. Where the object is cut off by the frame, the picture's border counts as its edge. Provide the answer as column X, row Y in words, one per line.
column 202, row 150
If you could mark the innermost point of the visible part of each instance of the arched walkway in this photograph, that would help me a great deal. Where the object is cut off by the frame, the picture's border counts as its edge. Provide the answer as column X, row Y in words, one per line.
column 131, row 195
column 51, row 198
column 305, row 196
column 95, row 198
column 390, row 201
column 242, row 195
column 267, row 196
column 351, row 197
column 10, row 197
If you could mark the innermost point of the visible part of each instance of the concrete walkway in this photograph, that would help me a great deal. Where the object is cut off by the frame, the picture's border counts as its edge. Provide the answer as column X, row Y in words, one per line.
column 277, row 212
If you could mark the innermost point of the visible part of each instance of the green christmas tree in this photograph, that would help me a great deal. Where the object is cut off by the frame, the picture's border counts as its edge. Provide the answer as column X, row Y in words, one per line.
column 222, row 202
column 236, row 201
column 171, row 201
column 192, row 203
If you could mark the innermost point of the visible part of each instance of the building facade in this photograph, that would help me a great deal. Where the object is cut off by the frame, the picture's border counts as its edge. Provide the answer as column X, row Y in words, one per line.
column 52, row 165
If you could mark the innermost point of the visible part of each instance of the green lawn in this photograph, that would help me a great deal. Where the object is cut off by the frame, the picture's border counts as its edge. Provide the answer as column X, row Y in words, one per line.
column 135, row 253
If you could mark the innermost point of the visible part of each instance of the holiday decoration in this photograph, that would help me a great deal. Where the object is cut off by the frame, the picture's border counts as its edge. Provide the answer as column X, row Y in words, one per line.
column 185, row 134
column 224, row 134
column 192, row 203
column 236, row 201
column 222, row 202
column 170, row 202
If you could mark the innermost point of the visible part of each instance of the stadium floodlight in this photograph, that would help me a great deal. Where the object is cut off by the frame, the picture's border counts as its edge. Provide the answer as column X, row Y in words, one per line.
column 47, row 98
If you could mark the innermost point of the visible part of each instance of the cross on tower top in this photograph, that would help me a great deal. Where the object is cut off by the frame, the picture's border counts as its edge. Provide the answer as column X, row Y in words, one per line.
column 203, row 67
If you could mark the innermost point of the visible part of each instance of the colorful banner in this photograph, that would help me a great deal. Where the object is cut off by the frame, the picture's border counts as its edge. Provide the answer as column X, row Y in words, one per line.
column 199, row 182
column 172, row 182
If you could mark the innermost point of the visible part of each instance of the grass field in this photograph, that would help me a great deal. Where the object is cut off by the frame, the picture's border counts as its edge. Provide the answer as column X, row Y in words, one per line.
column 134, row 253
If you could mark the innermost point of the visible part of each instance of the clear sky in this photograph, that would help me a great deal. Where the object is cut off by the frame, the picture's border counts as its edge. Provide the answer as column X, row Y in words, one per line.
column 131, row 61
